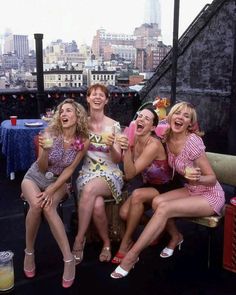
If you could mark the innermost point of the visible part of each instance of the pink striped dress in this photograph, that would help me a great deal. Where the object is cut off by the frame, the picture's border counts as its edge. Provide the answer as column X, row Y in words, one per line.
column 192, row 150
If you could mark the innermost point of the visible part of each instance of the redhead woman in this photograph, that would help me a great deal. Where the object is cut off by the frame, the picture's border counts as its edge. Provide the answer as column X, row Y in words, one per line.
column 100, row 176
column 202, row 194
column 44, row 184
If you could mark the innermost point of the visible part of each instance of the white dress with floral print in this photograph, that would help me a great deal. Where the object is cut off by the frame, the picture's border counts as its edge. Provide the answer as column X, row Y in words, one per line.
column 98, row 163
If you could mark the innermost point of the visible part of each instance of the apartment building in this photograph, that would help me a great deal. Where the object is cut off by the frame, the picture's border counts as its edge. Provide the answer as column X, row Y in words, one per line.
column 103, row 77
column 103, row 38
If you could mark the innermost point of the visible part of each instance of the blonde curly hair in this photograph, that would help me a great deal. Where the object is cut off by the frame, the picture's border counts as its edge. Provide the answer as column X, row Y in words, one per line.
column 82, row 119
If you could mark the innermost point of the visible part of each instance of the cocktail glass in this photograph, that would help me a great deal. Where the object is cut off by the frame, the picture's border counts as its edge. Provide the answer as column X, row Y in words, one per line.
column 47, row 139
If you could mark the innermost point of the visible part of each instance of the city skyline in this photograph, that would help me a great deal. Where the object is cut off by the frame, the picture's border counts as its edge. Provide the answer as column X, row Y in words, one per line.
column 79, row 20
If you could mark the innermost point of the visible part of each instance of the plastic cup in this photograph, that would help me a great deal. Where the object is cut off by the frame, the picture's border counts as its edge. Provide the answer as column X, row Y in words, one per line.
column 13, row 120
column 119, row 133
column 47, row 139
column 188, row 172
column 106, row 132
column 6, row 271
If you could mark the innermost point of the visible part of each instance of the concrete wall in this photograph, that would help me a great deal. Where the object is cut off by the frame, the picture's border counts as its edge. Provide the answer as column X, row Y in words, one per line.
column 204, row 71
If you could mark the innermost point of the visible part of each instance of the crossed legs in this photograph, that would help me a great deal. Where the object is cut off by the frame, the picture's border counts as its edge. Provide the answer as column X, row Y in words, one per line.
column 90, row 199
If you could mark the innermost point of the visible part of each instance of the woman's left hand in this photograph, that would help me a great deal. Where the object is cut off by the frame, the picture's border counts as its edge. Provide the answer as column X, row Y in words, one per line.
column 45, row 199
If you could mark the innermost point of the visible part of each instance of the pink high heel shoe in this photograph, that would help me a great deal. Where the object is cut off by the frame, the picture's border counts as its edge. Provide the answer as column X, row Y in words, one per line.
column 68, row 283
column 29, row 273
column 167, row 252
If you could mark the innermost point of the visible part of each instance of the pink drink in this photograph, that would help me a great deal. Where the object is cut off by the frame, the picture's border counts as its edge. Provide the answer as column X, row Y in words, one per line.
column 132, row 131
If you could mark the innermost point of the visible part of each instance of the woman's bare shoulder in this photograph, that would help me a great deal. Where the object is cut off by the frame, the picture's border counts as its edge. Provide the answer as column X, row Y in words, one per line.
column 109, row 121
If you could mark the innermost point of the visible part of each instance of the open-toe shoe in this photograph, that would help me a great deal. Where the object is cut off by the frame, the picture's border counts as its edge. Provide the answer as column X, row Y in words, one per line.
column 67, row 283
column 118, row 257
column 105, row 255
column 168, row 252
column 29, row 273
column 120, row 273
column 79, row 253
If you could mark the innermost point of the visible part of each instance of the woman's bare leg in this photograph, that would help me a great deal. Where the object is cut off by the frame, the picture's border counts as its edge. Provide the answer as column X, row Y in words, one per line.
column 183, row 206
column 32, row 221
column 100, row 220
column 58, row 230
column 138, row 199
column 95, row 187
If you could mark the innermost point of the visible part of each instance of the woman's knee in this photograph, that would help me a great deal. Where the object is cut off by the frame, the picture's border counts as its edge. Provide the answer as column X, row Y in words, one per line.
column 49, row 211
column 137, row 197
column 160, row 205
column 123, row 213
column 35, row 207
column 99, row 209
column 87, row 193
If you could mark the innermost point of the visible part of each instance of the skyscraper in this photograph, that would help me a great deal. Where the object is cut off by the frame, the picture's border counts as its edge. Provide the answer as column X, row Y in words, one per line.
column 17, row 44
column 152, row 12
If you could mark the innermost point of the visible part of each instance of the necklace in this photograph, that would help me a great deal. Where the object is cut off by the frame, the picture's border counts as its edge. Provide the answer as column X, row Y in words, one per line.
column 67, row 140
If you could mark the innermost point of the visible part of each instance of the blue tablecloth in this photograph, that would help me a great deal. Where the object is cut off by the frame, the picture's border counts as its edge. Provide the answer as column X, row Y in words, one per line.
column 18, row 144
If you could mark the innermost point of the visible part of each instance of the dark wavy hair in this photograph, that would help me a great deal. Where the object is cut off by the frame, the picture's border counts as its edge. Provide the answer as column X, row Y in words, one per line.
column 155, row 116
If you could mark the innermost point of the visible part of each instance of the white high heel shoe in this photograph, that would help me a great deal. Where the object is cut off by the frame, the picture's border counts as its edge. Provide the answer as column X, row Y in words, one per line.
column 167, row 252
column 120, row 273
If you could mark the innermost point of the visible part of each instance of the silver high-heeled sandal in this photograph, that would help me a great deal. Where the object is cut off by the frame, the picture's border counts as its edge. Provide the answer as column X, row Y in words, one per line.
column 29, row 273
column 68, row 283
column 79, row 253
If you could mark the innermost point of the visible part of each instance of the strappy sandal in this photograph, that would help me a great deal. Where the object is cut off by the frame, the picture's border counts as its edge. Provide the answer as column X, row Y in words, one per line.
column 29, row 273
column 120, row 255
column 79, row 253
column 105, row 255
column 68, row 283
column 118, row 258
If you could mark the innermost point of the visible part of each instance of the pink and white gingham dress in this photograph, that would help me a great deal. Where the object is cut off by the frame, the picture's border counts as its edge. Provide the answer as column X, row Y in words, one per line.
column 192, row 150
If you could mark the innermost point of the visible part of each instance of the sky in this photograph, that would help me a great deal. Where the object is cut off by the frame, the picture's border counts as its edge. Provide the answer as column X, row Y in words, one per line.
column 80, row 19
